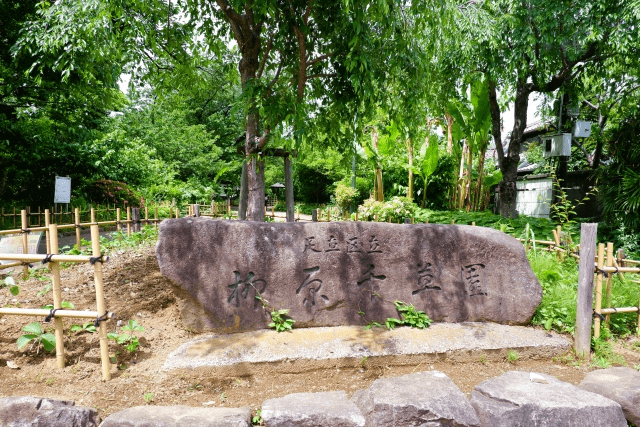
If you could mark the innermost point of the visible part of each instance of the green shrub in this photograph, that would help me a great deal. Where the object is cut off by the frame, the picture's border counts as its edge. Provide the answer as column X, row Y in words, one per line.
column 344, row 196
column 398, row 208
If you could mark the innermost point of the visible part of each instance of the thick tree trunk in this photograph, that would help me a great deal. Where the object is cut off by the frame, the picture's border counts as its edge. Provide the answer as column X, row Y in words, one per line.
column 509, row 166
column 496, row 122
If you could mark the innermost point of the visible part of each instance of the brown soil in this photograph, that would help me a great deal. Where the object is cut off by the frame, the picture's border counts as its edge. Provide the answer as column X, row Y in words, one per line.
column 135, row 289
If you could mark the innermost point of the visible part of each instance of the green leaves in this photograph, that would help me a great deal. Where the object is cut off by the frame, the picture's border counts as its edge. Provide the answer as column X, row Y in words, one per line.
column 280, row 321
column 409, row 317
column 129, row 338
column 35, row 333
column 13, row 288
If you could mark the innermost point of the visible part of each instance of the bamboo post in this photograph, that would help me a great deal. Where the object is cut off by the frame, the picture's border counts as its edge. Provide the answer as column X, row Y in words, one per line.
column 453, row 221
column 14, row 217
column 128, row 222
column 584, row 304
column 47, row 233
column 93, row 216
column 356, row 216
column 146, row 215
column 610, row 276
column 273, row 212
column 104, row 345
column 196, row 210
column 177, row 212
column 77, row 224
column 118, row 225
column 57, row 297
column 599, row 275
column 2, row 217
column 328, row 215
column 25, row 241
column 155, row 216
column 229, row 207
column 619, row 262
column 427, row 221
column 389, row 219
column 473, row 223
column 39, row 219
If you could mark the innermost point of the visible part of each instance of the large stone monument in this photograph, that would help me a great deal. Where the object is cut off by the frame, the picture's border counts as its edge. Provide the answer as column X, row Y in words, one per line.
column 342, row 273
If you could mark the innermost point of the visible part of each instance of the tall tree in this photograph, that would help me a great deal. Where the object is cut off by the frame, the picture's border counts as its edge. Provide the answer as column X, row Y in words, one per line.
column 540, row 46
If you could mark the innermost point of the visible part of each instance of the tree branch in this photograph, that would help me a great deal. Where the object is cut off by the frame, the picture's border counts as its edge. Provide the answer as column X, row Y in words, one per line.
column 265, row 56
column 320, row 58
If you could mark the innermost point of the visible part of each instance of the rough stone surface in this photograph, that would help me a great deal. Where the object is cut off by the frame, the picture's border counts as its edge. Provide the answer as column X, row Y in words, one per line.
column 314, row 348
column 328, row 273
column 30, row 411
column 419, row 399
column 331, row 408
column 179, row 416
column 621, row 385
column 513, row 399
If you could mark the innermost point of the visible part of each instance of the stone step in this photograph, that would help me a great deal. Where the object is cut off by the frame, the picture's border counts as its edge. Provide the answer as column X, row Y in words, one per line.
column 301, row 350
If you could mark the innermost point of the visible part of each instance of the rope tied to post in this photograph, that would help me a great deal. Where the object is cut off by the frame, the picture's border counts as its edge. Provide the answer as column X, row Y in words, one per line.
column 604, row 273
column 51, row 315
column 602, row 318
column 102, row 318
column 28, row 264
column 25, row 230
column 95, row 259
column 47, row 258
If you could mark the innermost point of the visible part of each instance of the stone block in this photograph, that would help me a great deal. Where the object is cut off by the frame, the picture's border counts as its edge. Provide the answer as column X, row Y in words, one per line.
column 530, row 399
column 619, row 384
column 421, row 399
column 343, row 273
column 331, row 409
column 179, row 416
column 30, row 411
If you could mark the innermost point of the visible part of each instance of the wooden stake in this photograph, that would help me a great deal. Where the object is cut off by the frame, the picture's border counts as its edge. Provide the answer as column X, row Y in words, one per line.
column 93, row 216
column 25, row 241
column 57, row 297
column 128, row 221
column 609, row 264
column 328, row 215
column 196, row 211
column 100, row 304
column 118, row 224
column 584, row 304
column 599, row 275
column 77, row 224
column 47, row 233
column 155, row 216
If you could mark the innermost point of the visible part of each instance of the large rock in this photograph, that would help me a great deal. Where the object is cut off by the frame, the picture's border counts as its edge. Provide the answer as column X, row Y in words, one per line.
column 420, row 399
column 331, row 409
column 343, row 273
column 530, row 399
column 39, row 412
column 179, row 416
column 621, row 385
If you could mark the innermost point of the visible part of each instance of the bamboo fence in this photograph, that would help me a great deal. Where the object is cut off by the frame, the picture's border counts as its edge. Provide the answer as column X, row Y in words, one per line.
column 101, row 315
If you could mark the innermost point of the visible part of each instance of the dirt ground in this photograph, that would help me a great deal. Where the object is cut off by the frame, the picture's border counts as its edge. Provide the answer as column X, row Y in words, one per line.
column 136, row 290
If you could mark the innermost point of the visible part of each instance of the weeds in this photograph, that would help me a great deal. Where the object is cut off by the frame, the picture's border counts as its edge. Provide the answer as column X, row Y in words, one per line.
column 85, row 327
column 512, row 356
column 280, row 320
column 35, row 333
column 132, row 342
column 409, row 317
column 256, row 420
column 11, row 284
column 148, row 397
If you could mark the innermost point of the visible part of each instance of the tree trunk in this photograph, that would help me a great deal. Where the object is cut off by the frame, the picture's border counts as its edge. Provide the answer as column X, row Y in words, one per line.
column 477, row 203
column 496, row 122
column 377, row 186
column 509, row 166
column 449, row 132
column 410, row 152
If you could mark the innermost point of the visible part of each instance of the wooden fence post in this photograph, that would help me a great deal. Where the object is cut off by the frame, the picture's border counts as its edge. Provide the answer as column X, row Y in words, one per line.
column 47, row 233
column 584, row 304
column 599, row 276
column 57, row 297
column 77, row 224
column 196, row 210
column 118, row 224
column 136, row 220
column 610, row 276
column 102, row 311
column 25, row 241
column 155, row 216
column 314, row 215
column 128, row 221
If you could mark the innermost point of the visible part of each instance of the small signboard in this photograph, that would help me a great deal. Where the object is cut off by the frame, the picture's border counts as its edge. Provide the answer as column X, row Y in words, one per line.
column 63, row 190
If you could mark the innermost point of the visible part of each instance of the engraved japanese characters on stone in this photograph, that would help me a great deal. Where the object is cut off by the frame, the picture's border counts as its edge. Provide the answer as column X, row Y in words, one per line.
column 333, row 244
column 310, row 244
column 368, row 281
column 311, row 287
column 374, row 245
column 472, row 278
column 243, row 288
column 425, row 279
column 353, row 245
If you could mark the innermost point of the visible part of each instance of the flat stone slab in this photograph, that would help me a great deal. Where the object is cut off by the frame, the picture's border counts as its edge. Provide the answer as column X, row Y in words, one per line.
column 531, row 399
column 343, row 273
column 27, row 411
column 331, row 408
column 619, row 384
column 179, row 416
column 419, row 399
column 304, row 349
